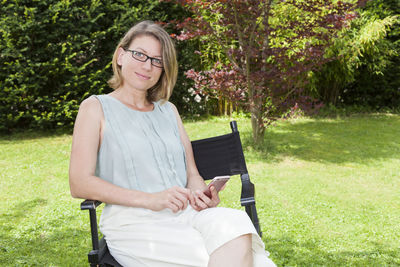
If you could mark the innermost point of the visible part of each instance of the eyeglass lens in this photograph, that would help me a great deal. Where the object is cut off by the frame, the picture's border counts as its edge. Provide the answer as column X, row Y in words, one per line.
column 143, row 58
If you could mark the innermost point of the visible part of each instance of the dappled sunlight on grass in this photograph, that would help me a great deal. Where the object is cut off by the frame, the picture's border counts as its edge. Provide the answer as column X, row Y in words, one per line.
column 326, row 193
column 360, row 140
column 327, row 189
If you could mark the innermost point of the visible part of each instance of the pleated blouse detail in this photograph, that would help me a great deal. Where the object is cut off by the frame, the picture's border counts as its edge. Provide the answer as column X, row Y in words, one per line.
column 140, row 150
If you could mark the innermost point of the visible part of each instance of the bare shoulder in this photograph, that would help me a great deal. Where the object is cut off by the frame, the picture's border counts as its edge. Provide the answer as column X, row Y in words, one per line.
column 91, row 107
column 90, row 103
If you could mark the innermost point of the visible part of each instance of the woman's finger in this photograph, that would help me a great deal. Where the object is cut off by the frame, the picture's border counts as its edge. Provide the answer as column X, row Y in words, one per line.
column 214, row 196
column 172, row 206
column 203, row 198
column 182, row 199
column 192, row 200
column 178, row 201
column 181, row 196
column 199, row 201
column 201, row 204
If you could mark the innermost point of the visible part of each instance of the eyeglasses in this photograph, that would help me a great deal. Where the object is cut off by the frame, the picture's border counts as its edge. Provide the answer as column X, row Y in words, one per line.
column 156, row 62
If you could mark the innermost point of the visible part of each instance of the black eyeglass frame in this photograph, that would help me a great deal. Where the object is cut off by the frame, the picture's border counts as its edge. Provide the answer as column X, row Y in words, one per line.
column 147, row 58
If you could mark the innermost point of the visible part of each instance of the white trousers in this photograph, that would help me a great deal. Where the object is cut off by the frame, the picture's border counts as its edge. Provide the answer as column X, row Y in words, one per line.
column 141, row 237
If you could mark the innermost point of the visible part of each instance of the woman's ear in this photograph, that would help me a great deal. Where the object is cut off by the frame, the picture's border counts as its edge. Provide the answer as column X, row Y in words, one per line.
column 120, row 52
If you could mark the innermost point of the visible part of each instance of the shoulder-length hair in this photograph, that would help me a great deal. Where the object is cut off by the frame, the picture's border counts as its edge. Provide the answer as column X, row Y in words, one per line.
column 162, row 90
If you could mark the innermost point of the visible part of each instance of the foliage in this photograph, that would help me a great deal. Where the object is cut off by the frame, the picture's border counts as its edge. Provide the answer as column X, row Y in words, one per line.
column 56, row 53
column 210, row 49
column 184, row 97
column 366, row 71
column 268, row 48
column 326, row 193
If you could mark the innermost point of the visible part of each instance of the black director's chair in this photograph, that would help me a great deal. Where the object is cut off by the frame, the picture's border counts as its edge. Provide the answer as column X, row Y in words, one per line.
column 220, row 155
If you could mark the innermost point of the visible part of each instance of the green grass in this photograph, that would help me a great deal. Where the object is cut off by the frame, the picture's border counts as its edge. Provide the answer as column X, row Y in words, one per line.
column 327, row 192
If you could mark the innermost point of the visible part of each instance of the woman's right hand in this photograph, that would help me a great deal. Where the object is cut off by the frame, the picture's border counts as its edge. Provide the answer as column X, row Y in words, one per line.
column 175, row 198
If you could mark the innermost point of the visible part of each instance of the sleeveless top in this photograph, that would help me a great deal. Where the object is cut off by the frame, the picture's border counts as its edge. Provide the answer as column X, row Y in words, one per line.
column 140, row 150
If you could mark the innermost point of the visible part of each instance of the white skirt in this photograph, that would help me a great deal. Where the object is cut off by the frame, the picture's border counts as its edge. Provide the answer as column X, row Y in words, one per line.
column 142, row 237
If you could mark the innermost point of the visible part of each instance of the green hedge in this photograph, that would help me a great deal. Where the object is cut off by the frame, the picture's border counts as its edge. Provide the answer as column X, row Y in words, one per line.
column 54, row 54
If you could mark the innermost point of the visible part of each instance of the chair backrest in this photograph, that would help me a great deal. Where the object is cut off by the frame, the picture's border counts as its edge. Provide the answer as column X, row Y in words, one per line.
column 220, row 155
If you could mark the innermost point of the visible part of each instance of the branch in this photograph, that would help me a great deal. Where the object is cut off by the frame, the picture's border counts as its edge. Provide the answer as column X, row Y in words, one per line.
column 234, row 62
column 266, row 39
column 236, row 25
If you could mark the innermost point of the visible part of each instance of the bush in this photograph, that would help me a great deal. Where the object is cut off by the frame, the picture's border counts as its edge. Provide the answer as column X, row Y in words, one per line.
column 54, row 54
column 366, row 72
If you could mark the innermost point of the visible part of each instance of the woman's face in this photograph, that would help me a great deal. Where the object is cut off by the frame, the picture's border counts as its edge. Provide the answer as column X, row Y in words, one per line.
column 139, row 75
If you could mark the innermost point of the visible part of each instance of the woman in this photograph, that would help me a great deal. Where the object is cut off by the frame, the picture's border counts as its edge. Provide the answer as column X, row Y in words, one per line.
column 130, row 150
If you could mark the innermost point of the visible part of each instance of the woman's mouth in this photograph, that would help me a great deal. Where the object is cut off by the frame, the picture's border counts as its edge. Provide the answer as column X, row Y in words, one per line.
column 144, row 77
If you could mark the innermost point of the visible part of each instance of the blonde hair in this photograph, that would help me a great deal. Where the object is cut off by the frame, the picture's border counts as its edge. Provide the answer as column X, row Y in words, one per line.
column 162, row 90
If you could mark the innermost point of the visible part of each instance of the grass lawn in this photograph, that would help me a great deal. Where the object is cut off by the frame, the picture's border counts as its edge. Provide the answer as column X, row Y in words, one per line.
column 327, row 192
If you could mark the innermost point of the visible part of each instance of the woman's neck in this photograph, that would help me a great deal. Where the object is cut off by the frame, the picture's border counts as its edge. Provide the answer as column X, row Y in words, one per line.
column 136, row 100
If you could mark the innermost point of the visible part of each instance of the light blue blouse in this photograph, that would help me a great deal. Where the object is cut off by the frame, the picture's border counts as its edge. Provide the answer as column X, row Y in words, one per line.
column 140, row 150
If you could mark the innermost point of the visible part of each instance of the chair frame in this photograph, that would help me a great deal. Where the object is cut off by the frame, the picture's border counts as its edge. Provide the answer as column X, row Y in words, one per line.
column 100, row 256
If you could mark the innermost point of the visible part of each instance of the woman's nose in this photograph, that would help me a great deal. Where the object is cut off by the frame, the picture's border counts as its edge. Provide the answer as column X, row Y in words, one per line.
column 147, row 64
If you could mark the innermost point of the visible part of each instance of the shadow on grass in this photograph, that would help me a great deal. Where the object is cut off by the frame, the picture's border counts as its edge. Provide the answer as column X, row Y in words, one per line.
column 353, row 139
column 288, row 252
column 21, row 210
column 21, row 134
column 60, row 248
column 50, row 242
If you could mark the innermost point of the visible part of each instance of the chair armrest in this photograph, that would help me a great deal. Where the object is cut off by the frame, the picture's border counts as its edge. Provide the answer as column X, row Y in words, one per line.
column 90, row 204
column 247, row 195
column 247, row 199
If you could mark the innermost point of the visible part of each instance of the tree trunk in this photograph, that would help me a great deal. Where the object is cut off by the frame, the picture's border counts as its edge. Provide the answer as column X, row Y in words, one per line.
column 257, row 107
column 257, row 120
column 225, row 107
column 220, row 102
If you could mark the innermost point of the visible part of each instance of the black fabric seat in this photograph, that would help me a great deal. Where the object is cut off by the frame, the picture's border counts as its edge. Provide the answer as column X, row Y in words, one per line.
column 220, row 155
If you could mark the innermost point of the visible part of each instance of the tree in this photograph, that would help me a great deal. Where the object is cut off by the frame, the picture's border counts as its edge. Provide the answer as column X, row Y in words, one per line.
column 270, row 47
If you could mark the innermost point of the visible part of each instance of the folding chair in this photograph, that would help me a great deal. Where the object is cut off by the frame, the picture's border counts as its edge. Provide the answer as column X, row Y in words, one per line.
column 220, row 155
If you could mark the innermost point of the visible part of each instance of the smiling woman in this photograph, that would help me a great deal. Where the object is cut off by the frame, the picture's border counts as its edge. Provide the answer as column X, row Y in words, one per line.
column 131, row 151
column 138, row 75
column 165, row 53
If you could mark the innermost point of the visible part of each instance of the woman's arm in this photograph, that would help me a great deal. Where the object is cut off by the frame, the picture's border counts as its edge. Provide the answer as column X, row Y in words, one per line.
column 194, row 181
column 83, row 182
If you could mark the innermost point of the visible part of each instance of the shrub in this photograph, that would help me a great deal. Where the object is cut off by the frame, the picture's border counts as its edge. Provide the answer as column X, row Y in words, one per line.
column 54, row 54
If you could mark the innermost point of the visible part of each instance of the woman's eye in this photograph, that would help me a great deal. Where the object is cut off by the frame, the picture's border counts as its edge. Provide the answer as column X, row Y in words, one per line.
column 138, row 54
column 157, row 61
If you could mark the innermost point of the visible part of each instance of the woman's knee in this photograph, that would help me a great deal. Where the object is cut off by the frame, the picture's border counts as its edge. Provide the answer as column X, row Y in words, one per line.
column 235, row 215
column 236, row 252
column 245, row 241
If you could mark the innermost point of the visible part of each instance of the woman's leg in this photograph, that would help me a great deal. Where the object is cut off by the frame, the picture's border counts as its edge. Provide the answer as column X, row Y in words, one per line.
column 235, row 253
column 228, row 235
column 139, row 237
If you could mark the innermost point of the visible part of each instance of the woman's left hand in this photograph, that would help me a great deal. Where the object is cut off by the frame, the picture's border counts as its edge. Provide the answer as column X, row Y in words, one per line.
column 203, row 202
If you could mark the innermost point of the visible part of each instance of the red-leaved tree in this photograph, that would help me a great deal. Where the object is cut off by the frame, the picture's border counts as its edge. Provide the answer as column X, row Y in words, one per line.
column 269, row 48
